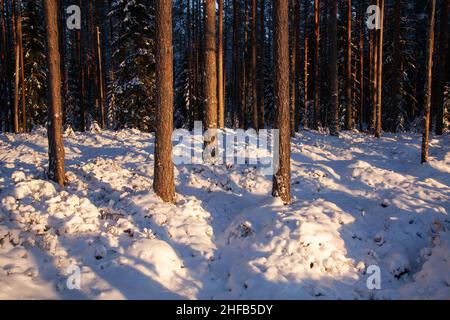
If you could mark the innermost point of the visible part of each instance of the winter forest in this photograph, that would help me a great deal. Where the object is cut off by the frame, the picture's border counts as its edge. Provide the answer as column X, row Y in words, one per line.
column 224, row 149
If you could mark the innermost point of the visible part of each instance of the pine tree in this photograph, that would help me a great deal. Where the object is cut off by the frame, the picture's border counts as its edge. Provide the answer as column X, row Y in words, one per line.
column 220, row 75
column 334, row 102
column 430, row 52
column 348, row 75
column 164, row 171
column 210, row 66
column 380, row 72
column 442, row 60
column 282, row 179
column 55, row 139
column 316, row 122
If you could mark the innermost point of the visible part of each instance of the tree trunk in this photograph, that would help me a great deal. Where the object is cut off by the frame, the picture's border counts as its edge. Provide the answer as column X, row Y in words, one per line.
column 254, row 69
column 210, row 65
column 442, row 60
column 15, row 114
column 305, row 69
column 282, row 179
column 348, row 63
column 4, row 73
column 361, row 65
column 164, row 172
column 261, row 108
column 100, row 82
column 55, row 138
column 220, row 76
column 316, row 122
column 334, row 87
column 429, row 81
column 21, row 62
column 380, row 72
column 374, row 79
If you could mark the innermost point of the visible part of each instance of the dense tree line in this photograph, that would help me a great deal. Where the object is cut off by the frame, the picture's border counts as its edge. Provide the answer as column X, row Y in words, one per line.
column 286, row 64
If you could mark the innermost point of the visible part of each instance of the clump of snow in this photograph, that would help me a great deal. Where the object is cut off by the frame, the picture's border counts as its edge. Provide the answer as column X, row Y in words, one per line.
column 357, row 202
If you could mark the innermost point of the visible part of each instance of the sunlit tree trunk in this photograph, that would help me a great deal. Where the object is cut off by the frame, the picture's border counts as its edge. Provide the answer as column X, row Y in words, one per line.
column 429, row 79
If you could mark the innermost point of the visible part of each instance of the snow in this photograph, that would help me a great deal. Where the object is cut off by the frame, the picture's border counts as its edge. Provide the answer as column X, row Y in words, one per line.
column 357, row 202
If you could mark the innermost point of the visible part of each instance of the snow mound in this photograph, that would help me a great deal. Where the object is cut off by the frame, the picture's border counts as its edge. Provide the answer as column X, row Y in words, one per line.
column 288, row 251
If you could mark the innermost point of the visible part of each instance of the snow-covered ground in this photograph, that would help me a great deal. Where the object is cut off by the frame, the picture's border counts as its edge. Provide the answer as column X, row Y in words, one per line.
column 358, row 201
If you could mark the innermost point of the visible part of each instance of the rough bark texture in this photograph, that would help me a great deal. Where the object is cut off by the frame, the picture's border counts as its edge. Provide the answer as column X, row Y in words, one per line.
column 282, row 179
column 305, row 69
column 316, row 123
column 348, row 62
column 361, row 65
column 380, row 72
column 210, row 65
column 375, row 43
column 262, row 32
column 220, row 75
column 254, row 70
column 164, row 172
column 55, row 138
column 334, row 89
column 429, row 79
column 442, row 70
column 15, row 113
column 22, row 68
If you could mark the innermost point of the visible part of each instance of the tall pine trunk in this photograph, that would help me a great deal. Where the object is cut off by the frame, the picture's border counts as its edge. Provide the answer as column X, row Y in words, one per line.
column 316, row 122
column 220, row 75
column 442, row 60
column 334, row 87
column 380, row 72
column 15, row 113
column 55, row 138
column 429, row 82
column 254, row 70
column 305, row 68
column 210, row 65
column 282, row 179
column 164, row 172
column 361, row 65
column 348, row 63
column 262, row 32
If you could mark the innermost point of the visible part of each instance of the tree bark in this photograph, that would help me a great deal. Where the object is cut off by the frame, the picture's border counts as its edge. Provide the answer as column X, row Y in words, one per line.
column 164, row 172
column 55, row 138
column 380, row 72
column 254, row 69
column 442, row 60
column 282, row 179
column 262, row 32
column 334, row 86
column 361, row 65
column 316, row 121
column 429, row 82
column 348, row 63
column 15, row 113
column 210, row 65
column 304, row 115
column 220, row 75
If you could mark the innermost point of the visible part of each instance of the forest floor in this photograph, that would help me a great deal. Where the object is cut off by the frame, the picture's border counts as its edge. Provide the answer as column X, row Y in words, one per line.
column 357, row 202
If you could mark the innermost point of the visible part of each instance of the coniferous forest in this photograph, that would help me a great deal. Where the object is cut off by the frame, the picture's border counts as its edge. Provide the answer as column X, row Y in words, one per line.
column 352, row 95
